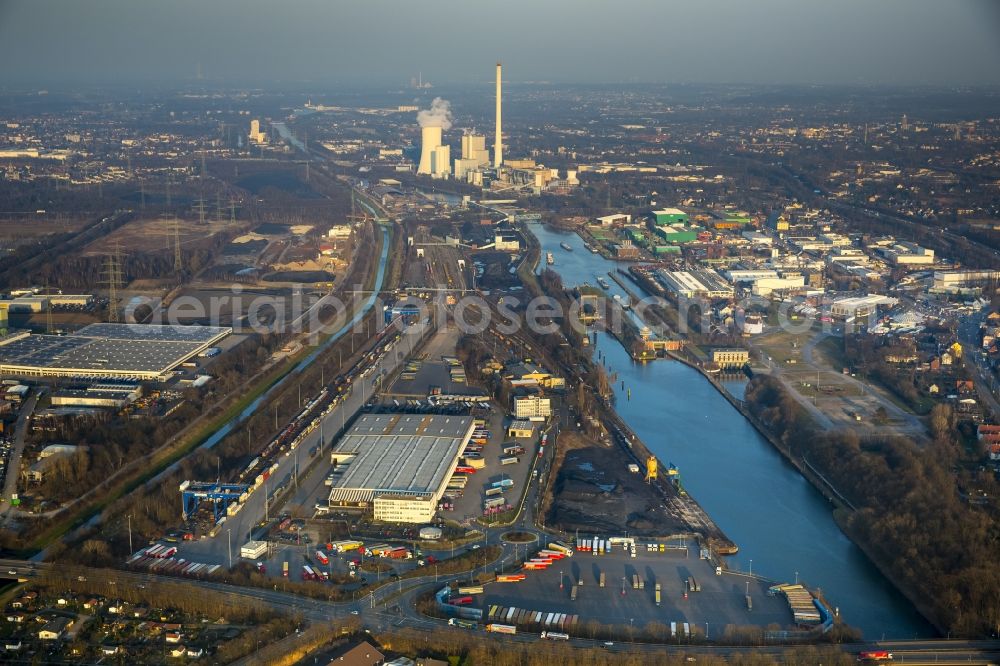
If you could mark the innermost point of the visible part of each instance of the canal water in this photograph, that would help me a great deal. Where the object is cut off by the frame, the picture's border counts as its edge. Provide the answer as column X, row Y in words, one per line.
column 782, row 525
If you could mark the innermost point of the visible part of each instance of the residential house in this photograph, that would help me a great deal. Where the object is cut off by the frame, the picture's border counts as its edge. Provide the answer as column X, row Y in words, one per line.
column 362, row 654
column 55, row 628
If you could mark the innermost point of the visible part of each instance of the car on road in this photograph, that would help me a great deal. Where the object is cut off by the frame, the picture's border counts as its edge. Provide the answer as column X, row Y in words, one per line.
column 12, row 572
column 355, row 613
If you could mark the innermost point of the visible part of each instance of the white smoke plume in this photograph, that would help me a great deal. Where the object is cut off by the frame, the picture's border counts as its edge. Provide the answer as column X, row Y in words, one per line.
column 439, row 115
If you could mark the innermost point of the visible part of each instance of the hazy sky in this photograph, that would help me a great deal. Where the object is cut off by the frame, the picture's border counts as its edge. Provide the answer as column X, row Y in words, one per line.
column 387, row 42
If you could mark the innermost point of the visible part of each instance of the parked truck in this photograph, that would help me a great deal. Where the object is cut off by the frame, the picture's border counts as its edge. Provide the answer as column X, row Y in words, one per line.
column 602, row 579
column 465, row 624
column 344, row 546
column 501, row 628
column 657, row 594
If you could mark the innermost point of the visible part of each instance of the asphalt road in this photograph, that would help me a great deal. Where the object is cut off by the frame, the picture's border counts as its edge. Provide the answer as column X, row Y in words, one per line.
column 391, row 608
column 968, row 334
column 14, row 465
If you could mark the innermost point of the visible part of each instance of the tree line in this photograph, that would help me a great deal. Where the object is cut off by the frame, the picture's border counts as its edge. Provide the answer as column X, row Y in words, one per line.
column 911, row 519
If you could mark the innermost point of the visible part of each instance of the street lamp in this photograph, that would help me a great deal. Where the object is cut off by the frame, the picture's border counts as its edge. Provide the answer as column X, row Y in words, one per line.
column 751, row 566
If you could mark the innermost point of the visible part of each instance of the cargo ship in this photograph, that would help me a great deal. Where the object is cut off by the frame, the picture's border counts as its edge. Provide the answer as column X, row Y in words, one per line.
column 566, row 246
column 549, row 259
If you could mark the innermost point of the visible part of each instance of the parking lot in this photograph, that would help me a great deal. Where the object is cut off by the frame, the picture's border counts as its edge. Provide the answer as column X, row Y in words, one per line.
column 721, row 600
column 470, row 504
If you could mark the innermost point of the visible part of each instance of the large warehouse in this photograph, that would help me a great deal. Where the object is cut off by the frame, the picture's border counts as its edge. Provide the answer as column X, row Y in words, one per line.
column 136, row 352
column 398, row 464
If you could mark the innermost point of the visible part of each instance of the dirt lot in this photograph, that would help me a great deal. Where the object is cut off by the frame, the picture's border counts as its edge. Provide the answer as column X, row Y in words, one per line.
column 151, row 235
column 595, row 492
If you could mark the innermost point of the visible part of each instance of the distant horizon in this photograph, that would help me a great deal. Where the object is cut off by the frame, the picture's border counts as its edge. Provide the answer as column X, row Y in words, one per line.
column 768, row 42
column 167, row 84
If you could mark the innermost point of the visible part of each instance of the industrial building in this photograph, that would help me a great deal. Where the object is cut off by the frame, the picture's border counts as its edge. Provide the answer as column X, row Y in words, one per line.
column 764, row 282
column 957, row 279
column 134, row 352
column 695, row 282
column 520, row 429
column 532, row 407
column 474, row 148
column 506, row 242
column 908, row 254
column 860, row 306
column 99, row 395
column 730, row 358
column 398, row 464
column 670, row 216
column 256, row 135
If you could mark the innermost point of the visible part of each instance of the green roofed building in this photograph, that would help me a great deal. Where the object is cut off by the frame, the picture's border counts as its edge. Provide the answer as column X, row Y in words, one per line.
column 670, row 216
column 677, row 234
column 636, row 236
column 666, row 249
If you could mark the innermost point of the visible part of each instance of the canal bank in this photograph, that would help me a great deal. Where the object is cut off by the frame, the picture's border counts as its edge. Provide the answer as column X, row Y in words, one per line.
column 783, row 525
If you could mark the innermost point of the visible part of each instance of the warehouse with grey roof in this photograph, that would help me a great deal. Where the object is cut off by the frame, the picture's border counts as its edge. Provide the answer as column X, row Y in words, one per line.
column 398, row 464
column 137, row 352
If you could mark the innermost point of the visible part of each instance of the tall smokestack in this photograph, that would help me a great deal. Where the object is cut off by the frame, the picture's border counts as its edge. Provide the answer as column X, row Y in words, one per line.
column 430, row 140
column 497, row 143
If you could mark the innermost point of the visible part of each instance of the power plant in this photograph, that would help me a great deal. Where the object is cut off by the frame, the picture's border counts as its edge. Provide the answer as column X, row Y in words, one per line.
column 435, row 158
column 474, row 165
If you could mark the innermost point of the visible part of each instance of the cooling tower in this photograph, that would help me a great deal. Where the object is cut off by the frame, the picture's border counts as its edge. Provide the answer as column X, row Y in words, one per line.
column 431, row 139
